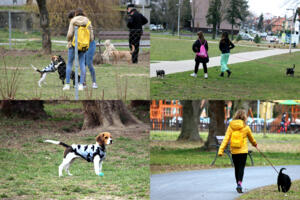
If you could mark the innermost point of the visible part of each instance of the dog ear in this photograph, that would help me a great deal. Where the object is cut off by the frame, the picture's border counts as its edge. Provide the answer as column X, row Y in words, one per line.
column 99, row 138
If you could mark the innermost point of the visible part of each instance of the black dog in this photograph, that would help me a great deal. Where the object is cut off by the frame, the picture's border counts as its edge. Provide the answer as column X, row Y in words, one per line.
column 290, row 71
column 61, row 69
column 283, row 181
column 160, row 73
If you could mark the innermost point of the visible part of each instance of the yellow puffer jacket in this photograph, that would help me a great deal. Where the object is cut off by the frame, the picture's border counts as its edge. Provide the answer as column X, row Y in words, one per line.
column 237, row 125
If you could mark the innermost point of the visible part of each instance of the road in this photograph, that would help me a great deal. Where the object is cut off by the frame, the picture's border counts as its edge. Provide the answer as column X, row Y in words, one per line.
column 213, row 184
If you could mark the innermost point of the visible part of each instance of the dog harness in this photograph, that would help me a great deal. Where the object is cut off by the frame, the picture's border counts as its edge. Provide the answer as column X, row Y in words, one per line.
column 49, row 68
column 88, row 152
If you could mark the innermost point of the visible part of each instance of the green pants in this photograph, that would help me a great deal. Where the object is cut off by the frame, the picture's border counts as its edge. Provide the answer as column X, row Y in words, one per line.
column 224, row 61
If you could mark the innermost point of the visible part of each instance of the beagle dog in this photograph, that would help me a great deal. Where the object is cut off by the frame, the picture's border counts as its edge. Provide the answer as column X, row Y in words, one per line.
column 91, row 153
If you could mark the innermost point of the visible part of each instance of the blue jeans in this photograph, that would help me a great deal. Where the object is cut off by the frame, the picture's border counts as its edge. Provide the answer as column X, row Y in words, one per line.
column 89, row 60
column 71, row 57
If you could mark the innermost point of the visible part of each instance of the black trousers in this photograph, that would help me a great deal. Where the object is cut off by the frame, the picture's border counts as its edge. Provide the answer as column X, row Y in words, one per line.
column 239, row 161
column 134, row 39
column 197, row 63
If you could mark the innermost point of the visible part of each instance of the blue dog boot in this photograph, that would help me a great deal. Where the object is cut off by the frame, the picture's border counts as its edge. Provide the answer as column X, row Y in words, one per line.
column 101, row 174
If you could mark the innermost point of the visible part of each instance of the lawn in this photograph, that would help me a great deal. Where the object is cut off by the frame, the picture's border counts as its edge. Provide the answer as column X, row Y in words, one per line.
column 167, row 154
column 271, row 192
column 29, row 167
column 258, row 79
column 169, row 48
column 121, row 81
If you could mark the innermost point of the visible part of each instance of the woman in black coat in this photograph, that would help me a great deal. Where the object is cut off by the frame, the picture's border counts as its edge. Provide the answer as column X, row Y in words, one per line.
column 204, row 59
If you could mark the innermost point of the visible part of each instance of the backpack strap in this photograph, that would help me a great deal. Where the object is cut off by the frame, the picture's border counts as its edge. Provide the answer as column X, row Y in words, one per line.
column 87, row 25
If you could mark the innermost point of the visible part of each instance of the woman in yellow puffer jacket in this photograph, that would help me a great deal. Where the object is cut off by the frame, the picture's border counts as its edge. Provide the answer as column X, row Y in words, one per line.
column 239, row 154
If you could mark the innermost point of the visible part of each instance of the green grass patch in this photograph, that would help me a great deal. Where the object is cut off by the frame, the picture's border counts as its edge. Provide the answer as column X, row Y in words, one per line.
column 167, row 154
column 259, row 79
column 271, row 192
column 174, row 49
column 29, row 167
column 114, row 81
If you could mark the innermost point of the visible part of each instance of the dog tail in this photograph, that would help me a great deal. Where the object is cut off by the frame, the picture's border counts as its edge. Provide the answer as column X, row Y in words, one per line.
column 281, row 170
column 35, row 69
column 57, row 142
column 132, row 49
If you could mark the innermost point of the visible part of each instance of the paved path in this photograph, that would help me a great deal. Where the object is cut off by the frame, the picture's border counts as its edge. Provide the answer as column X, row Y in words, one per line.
column 213, row 184
column 172, row 67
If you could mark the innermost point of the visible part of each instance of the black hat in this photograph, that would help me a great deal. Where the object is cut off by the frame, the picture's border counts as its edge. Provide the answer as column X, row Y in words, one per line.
column 130, row 6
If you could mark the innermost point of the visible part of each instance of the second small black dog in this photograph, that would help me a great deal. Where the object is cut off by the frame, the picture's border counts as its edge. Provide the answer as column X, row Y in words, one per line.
column 62, row 71
column 290, row 71
column 283, row 181
column 160, row 73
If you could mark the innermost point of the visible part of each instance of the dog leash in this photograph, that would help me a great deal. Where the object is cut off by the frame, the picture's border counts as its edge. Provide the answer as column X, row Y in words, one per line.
column 267, row 159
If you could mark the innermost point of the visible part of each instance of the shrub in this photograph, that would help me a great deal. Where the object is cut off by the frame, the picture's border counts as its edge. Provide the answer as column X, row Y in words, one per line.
column 239, row 37
column 257, row 39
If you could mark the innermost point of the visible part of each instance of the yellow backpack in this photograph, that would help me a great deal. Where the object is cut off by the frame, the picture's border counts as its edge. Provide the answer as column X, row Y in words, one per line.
column 236, row 139
column 83, row 38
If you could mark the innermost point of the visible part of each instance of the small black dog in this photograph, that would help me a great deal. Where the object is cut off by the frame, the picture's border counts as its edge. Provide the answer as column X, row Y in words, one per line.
column 290, row 71
column 160, row 73
column 283, row 181
column 61, row 69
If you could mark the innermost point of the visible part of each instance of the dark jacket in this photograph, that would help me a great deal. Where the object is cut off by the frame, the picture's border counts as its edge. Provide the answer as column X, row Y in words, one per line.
column 136, row 20
column 196, row 48
column 226, row 46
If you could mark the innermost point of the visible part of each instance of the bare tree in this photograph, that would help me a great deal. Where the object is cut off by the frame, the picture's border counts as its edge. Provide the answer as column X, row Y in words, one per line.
column 191, row 117
column 44, row 23
column 24, row 109
column 107, row 113
column 217, row 125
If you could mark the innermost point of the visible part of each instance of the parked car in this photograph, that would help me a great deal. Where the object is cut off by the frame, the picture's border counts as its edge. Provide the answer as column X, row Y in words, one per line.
column 160, row 27
column 153, row 27
column 246, row 36
column 272, row 38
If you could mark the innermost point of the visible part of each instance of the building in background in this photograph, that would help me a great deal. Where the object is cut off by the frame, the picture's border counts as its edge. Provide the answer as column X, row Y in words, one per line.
column 199, row 12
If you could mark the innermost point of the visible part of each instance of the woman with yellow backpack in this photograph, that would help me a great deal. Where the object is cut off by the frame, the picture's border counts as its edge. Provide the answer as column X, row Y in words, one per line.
column 85, row 36
column 237, row 133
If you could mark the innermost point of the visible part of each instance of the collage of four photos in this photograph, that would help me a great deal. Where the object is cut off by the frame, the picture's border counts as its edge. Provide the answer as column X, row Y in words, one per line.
column 150, row 99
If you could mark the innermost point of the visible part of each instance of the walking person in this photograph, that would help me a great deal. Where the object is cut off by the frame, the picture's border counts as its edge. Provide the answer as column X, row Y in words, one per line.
column 200, row 47
column 89, row 56
column 135, row 24
column 225, row 46
column 83, row 22
column 237, row 133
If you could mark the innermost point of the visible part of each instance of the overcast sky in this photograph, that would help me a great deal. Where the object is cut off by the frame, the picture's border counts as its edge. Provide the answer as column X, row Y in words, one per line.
column 275, row 7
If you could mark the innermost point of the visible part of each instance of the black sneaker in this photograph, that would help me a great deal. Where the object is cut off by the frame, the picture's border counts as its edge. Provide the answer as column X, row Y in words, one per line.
column 239, row 188
column 222, row 74
column 229, row 73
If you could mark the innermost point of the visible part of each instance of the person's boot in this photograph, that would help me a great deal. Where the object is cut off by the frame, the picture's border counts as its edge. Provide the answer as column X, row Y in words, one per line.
column 222, row 74
column 228, row 73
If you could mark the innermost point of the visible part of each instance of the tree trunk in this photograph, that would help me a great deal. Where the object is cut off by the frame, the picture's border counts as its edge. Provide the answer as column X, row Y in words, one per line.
column 216, row 125
column 107, row 113
column 190, row 116
column 214, row 31
column 23, row 109
column 231, row 31
column 44, row 23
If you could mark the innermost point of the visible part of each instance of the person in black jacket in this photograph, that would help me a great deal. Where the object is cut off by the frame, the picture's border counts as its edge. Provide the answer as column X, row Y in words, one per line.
column 204, row 59
column 135, row 24
column 225, row 45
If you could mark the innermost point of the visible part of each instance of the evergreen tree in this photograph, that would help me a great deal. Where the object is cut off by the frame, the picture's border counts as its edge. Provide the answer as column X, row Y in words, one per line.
column 260, row 25
column 213, row 16
column 236, row 13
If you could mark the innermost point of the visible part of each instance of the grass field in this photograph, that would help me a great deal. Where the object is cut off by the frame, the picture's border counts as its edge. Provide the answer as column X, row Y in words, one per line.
column 115, row 81
column 29, row 167
column 271, row 193
column 259, row 79
column 170, row 48
column 167, row 154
